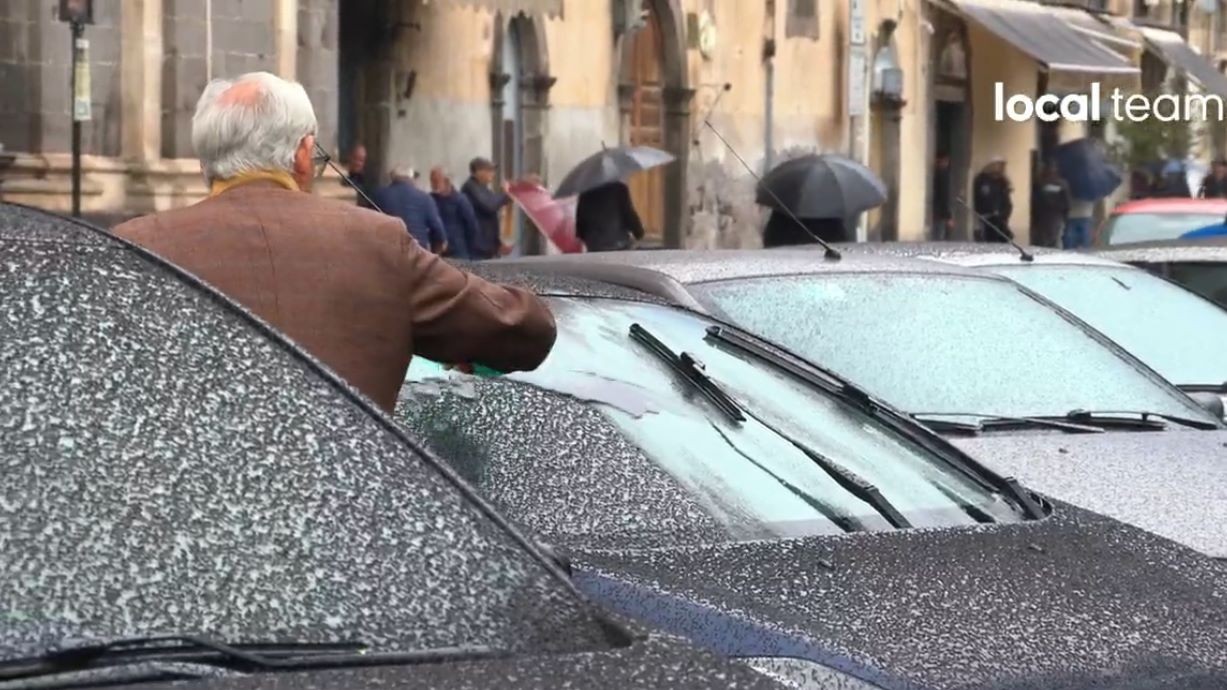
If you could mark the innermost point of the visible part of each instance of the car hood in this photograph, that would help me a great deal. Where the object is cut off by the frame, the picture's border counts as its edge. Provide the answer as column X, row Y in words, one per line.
column 653, row 662
column 1076, row 600
column 1171, row 483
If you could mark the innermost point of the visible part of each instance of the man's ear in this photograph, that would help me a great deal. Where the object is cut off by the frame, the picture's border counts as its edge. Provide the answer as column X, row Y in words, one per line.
column 304, row 171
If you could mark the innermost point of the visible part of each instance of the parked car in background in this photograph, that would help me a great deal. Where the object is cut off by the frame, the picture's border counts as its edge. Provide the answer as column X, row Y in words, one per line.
column 1021, row 384
column 704, row 500
column 1167, row 218
column 1199, row 265
column 1174, row 331
column 188, row 496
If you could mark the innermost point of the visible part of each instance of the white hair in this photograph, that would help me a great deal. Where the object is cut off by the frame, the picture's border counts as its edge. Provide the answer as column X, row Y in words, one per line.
column 403, row 172
column 247, row 134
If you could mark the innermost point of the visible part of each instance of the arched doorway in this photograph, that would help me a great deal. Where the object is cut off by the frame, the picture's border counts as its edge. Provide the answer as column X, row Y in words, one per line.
column 655, row 110
column 951, row 116
column 519, row 98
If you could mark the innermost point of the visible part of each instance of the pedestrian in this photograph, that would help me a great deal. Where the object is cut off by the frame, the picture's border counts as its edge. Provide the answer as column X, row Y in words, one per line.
column 347, row 284
column 1049, row 207
column 456, row 211
column 993, row 202
column 783, row 230
column 943, row 214
column 355, row 170
column 1214, row 184
column 1140, row 185
column 487, row 205
column 606, row 220
column 416, row 208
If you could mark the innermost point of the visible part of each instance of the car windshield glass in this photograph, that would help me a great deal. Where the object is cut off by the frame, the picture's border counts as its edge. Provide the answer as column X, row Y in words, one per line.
column 1206, row 279
column 1181, row 337
column 634, row 449
column 168, row 467
column 1144, row 227
column 944, row 343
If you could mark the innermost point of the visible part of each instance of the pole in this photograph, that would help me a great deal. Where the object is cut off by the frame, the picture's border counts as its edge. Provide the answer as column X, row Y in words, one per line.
column 78, row 31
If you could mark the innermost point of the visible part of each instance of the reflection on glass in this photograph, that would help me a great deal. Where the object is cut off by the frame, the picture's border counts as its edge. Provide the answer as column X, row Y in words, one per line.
column 940, row 343
column 1145, row 227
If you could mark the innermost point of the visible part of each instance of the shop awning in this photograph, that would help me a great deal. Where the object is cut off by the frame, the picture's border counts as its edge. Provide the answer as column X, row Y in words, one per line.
column 510, row 8
column 1180, row 55
column 1051, row 37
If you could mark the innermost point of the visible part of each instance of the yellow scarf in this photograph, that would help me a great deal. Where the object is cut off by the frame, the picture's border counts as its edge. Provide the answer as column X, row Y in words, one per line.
column 281, row 177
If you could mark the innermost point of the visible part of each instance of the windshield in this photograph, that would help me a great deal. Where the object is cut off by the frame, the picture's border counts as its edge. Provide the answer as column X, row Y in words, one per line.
column 1127, row 228
column 651, row 455
column 943, row 343
column 1181, row 336
column 166, row 467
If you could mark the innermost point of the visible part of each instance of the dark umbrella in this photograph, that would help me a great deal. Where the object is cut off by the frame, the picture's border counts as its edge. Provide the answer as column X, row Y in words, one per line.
column 610, row 165
column 821, row 186
column 1086, row 169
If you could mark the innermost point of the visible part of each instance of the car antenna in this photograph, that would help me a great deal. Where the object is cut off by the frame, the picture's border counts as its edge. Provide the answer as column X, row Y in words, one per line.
column 831, row 252
column 328, row 161
column 1023, row 254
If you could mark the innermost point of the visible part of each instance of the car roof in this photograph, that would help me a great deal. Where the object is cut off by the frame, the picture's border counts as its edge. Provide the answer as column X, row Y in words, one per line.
column 666, row 272
column 1204, row 250
column 978, row 254
column 1171, row 205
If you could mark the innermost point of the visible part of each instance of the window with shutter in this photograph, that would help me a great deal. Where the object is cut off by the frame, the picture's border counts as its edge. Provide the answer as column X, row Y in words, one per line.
column 802, row 19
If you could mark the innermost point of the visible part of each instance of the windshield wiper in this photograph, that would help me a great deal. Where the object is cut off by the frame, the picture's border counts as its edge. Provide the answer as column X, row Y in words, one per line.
column 854, row 484
column 690, row 369
column 985, row 422
column 1135, row 419
column 77, row 656
column 828, row 382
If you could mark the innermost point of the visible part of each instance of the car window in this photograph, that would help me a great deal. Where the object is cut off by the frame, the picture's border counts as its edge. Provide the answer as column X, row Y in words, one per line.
column 635, row 451
column 1206, row 279
column 168, row 468
column 943, row 343
column 1127, row 228
column 1181, row 336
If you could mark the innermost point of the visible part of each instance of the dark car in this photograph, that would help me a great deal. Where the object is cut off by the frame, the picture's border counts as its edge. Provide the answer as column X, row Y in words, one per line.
column 1021, row 384
column 186, row 496
column 1199, row 265
column 1174, row 331
column 714, row 484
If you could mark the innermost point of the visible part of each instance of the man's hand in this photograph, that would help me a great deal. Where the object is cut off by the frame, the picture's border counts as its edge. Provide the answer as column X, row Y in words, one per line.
column 462, row 368
column 504, row 249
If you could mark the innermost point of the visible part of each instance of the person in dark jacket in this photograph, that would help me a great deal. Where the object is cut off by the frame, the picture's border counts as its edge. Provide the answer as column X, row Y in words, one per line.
column 606, row 220
column 487, row 204
column 943, row 214
column 1050, row 206
column 356, row 171
column 993, row 204
column 459, row 220
column 782, row 230
column 403, row 199
column 1214, row 185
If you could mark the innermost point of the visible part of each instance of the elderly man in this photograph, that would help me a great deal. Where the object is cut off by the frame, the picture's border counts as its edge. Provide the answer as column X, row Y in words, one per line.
column 459, row 220
column 415, row 208
column 349, row 285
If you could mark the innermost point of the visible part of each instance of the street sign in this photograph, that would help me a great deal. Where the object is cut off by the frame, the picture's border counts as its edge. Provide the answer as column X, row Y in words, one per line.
column 856, row 22
column 856, row 80
column 80, row 82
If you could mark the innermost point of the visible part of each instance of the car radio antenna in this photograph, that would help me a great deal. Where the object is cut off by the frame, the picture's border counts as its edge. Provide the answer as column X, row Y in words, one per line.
column 1023, row 254
column 831, row 252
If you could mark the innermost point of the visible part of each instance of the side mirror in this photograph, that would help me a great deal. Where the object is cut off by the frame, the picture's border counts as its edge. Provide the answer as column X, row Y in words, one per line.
column 1212, row 402
column 559, row 556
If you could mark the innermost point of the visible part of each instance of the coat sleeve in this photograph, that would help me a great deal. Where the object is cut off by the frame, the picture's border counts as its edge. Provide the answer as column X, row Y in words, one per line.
column 472, row 230
column 434, row 222
column 633, row 223
column 459, row 318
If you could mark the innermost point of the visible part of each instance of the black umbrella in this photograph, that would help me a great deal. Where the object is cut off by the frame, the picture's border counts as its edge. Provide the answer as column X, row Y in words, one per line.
column 821, row 186
column 610, row 165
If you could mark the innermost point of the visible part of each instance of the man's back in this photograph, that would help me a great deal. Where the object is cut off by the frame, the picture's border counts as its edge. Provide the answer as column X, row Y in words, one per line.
column 415, row 208
column 348, row 284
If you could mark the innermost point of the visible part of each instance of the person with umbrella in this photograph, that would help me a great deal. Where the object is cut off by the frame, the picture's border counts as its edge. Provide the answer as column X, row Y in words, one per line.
column 605, row 216
column 1091, row 176
column 813, row 198
column 993, row 204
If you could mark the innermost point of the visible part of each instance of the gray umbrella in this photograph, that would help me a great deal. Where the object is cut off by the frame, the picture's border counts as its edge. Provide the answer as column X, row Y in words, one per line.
column 821, row 186
column 610, row 165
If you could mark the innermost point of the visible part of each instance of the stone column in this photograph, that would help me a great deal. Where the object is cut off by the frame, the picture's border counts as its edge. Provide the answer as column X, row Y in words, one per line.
column 535, row 100
column 141, row 79
column 285, row 37
column 677, row 141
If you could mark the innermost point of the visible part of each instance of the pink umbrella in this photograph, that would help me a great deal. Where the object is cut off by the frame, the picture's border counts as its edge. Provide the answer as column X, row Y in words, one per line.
column 554, row 218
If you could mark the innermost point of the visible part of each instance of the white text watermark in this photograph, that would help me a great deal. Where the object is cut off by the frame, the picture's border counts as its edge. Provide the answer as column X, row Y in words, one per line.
column 1094, row 106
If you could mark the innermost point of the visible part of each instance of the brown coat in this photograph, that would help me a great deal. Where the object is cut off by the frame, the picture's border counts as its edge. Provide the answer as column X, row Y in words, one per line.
column 348, row 284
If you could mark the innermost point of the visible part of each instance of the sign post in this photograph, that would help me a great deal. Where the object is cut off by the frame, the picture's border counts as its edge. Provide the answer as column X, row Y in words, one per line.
column 78, row 13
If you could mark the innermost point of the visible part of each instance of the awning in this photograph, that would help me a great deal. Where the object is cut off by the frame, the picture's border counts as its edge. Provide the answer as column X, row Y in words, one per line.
column 1178, row 54
column 510, row 8
column 1056, row 38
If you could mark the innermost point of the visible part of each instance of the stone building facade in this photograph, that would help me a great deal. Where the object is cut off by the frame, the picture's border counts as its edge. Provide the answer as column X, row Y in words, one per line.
column 538, row 85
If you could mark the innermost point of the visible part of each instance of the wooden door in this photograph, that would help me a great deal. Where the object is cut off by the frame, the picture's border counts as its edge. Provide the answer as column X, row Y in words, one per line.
column 647, row 125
